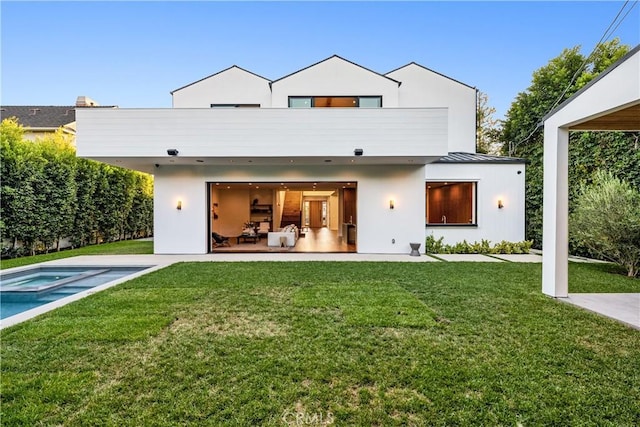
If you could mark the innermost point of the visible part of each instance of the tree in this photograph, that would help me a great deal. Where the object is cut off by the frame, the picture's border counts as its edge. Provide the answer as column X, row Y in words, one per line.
column 607, row 220
column 522, row 134
column 487, row 131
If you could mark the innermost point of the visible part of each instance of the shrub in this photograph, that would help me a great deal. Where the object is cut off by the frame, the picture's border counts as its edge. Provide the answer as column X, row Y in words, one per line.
column 436, row 246
column 606, row 220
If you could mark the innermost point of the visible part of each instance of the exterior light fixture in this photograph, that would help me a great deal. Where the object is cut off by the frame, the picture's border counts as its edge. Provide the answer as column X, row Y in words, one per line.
column 391, row 204
column 179, row 207
column 172, row 151
column 358, row 151
column 500, row 204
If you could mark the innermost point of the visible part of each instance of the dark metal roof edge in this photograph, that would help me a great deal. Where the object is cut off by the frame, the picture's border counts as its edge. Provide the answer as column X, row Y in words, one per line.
column 219, row 72
column 592, row 82
column 475, row 158
column 341, row 58
column 433, row 71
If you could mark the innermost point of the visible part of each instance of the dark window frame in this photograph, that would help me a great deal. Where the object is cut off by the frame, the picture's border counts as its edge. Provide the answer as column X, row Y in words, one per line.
column 235, row 105
column 474, row 201
column 357, row 98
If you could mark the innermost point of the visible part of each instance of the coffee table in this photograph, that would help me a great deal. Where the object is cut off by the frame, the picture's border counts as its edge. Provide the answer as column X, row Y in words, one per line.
column 248, row 237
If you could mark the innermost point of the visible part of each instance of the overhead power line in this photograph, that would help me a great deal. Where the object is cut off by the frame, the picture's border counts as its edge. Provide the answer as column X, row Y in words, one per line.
column 605, row 36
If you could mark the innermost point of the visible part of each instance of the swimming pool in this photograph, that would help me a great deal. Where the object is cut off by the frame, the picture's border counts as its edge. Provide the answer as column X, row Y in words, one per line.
column 35, row 287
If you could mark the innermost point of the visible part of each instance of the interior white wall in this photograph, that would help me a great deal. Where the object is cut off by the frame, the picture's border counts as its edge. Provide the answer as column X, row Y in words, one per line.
column 425, row 88
column 334, row 77
column 185, row 231
column 494, row 182
column 231, row 86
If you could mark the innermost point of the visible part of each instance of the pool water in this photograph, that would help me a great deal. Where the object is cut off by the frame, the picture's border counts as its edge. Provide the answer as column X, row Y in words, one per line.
column 27, row 289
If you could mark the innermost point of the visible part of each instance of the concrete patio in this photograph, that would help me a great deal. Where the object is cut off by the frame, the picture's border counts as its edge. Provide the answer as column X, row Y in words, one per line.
column 624, row 308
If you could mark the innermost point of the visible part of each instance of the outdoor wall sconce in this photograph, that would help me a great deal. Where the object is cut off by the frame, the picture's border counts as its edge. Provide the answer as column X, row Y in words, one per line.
column 179, row 207
column 391, row 204
column 500, row 204
column 172, row 151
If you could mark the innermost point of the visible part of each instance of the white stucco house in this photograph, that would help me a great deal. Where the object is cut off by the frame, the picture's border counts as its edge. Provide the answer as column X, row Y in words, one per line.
column 377, row 160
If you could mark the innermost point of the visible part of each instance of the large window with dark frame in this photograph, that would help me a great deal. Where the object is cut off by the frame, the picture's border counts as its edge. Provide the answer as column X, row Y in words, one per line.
column 235, row 105
column 451, row 203
column 335, row 101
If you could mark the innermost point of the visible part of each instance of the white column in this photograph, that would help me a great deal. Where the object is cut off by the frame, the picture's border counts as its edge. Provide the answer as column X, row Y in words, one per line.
column 555, row 226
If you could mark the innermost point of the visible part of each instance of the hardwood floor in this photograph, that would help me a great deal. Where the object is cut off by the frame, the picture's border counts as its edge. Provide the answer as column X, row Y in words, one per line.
column 313, row 240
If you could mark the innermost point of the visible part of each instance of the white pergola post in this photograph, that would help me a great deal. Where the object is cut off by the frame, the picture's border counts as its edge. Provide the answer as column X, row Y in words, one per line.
column 555, row 230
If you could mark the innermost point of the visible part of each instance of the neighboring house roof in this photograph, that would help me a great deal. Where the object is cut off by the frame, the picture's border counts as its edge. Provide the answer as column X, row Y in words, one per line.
column 459, row 157
column 341, row 58
column 40, row 116
column 220, row 72
column 429, row 69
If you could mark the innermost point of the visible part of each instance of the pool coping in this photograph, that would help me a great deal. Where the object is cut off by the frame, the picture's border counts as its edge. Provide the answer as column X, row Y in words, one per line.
column 34, row 312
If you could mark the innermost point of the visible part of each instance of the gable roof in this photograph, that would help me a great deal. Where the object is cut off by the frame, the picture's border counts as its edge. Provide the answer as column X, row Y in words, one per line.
column 40, row 116
column 429, row 69
column 460, row 157
column 340, row 58
column 220, row 72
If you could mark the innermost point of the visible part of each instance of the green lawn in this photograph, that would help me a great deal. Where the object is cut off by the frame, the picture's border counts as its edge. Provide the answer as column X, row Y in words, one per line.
column 354, row 344
column 125, row 247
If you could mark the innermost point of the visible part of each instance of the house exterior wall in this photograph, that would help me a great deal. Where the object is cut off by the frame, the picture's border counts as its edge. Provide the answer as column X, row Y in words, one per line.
column 425, row 88
column 232, row 86
column 423, row 119
column 182, row 231
column 249, row 132
column 494, row 182
column 335, row 77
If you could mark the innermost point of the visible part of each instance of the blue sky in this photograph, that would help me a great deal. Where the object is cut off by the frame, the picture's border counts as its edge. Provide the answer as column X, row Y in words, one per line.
column 131, row 54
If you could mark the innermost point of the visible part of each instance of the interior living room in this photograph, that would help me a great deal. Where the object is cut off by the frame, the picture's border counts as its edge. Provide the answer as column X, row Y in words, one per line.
column 282, row 216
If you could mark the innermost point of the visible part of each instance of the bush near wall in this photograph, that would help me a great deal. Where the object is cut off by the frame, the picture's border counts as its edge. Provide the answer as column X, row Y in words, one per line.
column 48, row 196
column 436, row 246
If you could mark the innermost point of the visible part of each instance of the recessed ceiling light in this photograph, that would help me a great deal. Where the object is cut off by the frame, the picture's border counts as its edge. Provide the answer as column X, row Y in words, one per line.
column 228, row 187
column 327, row 160
column 291, row 161
column 217, row 183
column 200, row 161
column 250, row 161
column 353, row 161
column 250, row 184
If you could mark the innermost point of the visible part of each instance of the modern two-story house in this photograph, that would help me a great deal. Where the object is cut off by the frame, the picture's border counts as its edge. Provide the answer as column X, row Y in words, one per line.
column 376, row 161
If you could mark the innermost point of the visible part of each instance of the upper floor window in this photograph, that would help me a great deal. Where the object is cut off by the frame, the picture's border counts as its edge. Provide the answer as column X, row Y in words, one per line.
column 335, row 102
column 235, row 105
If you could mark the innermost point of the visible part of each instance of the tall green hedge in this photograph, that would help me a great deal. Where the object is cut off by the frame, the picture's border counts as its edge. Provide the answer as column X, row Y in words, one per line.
column 48, row 194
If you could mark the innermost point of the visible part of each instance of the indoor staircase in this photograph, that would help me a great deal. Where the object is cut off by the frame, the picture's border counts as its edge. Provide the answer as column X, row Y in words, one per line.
column 292, row 209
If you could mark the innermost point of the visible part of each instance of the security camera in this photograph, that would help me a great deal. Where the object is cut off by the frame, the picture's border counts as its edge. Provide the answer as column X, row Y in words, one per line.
column 172, row 152
column 358, row 151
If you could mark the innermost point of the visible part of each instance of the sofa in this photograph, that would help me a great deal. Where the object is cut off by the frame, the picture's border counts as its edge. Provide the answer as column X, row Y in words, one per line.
column 286, row 236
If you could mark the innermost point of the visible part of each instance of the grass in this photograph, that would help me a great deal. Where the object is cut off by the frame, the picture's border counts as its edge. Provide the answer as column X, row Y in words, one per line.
column 125, row 247
column 327, row 343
